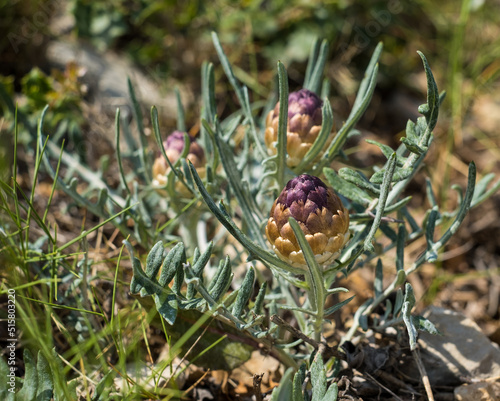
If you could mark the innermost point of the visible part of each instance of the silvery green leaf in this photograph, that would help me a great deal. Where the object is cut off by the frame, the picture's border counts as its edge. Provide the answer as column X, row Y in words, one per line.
column 166, row 304
column 281, row 147
column 430, row 192
column 388, row 231
column 332, row 393
column 311, row 62
column 408, row 304
column 284, row 391
column 218, row 272
column 223, row 281
column 336, row 290
column 429, row 233
column 363, row 322
column 431, row 112
column 399, row 175
column 398, row 303
column 412, row 146
column 345, row 188
column 244, row 293
column 423, row 324
column 179, row 277
column 199, row 263
column 315, row 272
column 384, row 192
column 378, row 284
column 387, row 151
column 30, row 384
column 357, row 179
column 181, row 120
column 480, row 193
column 318, row 379
column 411, row 133
column 45, row 387
column 298, row 380
column 400, row 247
column 315, row 68
column 410, row 327
column 153, row 262
column 363, row 97
column 336, row 307
column 171, row 263
column 259, row 299
column 388, row 310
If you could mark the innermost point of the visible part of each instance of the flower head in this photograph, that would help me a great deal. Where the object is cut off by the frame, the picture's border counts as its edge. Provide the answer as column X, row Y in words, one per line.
column 320, row 214
column 304, row 125
column 174, row 145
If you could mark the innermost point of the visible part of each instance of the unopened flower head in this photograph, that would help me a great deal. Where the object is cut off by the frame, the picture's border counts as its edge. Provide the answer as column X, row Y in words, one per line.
column 304, row 125
column 320, row 214
column 174, row 145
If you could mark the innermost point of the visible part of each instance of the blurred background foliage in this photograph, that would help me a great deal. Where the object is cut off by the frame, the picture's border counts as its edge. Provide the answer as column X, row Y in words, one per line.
column 169, row 39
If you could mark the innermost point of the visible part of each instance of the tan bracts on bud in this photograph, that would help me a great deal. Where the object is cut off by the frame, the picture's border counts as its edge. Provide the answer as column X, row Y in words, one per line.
column 321, row 216
column 304, row 125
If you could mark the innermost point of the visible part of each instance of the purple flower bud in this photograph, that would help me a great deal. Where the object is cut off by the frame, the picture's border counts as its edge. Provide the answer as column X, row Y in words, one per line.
column 174, row 145
column 305, row 102
column 320, row 214
column 304, row 125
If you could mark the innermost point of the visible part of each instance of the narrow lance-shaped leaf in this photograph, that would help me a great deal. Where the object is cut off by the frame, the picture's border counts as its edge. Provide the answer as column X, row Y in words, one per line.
column 298, row 381
column 311, row 63
column 336, row 307
column 241, row 93
column 408, row 304
column 45, row 388
column 181, row 122
column 234, row 177
column 357, row 179
column 222, row 281
column 179, row 275
column 400, row 244
column 345, row 188
column 30, row 385
column 429, row 234
column 244, row 293
column 153, row 262
column 379, row 278
column 259, row 299
column 313, row 82
column 332, row 393
column 313, row 267
column 318, row 379
column 143, row 145
column 381, row 203
column 199, row 264
column 282, row 125
column 170, row 264
column 431, row 111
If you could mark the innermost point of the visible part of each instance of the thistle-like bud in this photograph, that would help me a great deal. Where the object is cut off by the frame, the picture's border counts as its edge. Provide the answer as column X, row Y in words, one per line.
column 174, row 145
column 320, row 214
column 304, row 125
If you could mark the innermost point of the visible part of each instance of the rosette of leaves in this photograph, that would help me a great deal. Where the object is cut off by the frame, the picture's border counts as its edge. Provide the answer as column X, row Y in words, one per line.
column 229, row 329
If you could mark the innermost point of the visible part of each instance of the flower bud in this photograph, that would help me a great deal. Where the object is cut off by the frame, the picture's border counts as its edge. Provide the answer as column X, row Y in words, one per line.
column 320, row 214
column 174, row 145
column 304, row 125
